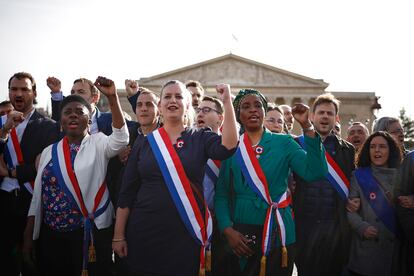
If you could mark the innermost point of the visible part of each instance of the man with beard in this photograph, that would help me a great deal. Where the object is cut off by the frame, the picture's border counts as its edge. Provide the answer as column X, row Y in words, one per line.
column 24, row 133
column 323, row 234
column 357, row 134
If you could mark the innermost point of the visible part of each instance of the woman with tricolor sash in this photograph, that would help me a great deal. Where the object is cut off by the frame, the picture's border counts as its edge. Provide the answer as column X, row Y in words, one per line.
column 163, row 225
column 375, row 235
column 252, row 200
column 71, row 213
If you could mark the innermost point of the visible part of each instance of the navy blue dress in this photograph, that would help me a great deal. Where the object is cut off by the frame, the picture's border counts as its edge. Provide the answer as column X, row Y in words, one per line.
column 158, row 242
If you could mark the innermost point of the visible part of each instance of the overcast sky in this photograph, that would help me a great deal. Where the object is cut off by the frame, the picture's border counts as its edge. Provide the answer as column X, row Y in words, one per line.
column 355, row 46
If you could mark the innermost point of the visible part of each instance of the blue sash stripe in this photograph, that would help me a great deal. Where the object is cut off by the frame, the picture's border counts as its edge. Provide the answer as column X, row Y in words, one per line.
column 301, row 140
column 6, row 152
column 337, row 187
column 246, row 174
column 8, row 158
column 271, row 229
column 169, row 182
column 61, row 182
column 211, row 174
column 382, row 208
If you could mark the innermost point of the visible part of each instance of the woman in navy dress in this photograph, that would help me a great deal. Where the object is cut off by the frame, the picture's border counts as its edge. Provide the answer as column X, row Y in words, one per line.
column 149, row 231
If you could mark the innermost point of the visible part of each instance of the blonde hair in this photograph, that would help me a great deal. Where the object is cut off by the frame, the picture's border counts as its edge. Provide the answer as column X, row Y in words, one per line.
column 189, row 116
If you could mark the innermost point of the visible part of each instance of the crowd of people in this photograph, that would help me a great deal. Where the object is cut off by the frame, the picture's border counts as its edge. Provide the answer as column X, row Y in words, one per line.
column 198, row 185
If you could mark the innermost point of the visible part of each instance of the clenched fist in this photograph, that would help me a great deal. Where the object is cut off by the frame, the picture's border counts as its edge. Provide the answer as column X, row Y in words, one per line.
column 106, row 86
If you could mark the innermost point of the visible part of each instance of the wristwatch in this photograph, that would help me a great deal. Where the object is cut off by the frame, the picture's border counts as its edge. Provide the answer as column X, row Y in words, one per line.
column 308, row 128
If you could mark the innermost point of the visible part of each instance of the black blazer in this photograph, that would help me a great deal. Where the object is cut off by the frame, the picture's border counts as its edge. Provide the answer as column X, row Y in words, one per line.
column 40, row 132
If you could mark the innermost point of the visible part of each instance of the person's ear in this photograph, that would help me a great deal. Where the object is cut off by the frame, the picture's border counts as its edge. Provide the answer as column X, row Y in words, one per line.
column 221, row 119
column 337, row 120
column 95, row 98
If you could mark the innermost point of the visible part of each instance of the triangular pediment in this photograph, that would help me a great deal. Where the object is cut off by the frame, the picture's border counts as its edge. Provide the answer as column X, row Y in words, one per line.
column 237, row 71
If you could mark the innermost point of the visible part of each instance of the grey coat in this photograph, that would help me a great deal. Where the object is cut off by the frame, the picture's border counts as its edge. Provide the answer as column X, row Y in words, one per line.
column 374, row 256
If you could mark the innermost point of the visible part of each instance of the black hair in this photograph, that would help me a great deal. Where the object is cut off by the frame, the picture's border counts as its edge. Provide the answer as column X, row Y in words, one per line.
column 77, row 99
column 363, row 158
column 24, row 75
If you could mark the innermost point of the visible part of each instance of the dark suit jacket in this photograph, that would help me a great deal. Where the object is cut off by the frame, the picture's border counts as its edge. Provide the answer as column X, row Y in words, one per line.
column 104, row 119
column 40, row 132
column 321, row 222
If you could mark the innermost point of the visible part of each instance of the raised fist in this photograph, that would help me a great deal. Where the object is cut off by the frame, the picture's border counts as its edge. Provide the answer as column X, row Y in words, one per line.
column 131, row 87
column 54, row 84
column 106, row 86
column 223, row 92
column 14, row 118
column 300, row 112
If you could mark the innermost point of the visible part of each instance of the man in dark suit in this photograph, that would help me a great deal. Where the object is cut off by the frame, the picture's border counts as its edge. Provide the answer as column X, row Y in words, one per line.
column 101, row 121
column 322, row 229
column 24, row 134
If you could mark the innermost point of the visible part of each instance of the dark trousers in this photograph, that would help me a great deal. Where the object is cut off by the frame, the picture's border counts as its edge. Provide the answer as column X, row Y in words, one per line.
column 61, row 253
column 230, row 265
column 13, row 214
column 273, row 263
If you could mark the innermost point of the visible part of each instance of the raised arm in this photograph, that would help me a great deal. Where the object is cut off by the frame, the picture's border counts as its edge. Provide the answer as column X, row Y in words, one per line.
column 55, row 87
column 132, row 90
column 230, row 135
column 107, row 87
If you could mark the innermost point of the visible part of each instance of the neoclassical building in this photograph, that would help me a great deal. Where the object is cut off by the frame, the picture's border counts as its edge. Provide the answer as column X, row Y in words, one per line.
column 278, row 85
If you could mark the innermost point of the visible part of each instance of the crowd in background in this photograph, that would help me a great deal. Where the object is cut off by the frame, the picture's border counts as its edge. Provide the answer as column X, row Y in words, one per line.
column 198, row 185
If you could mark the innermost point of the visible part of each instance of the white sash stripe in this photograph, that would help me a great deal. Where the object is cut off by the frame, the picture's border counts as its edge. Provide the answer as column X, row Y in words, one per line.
column 65, row 175
column 213, row 167
column 251, row 170
column 282, row 228
column 13, row 183
column 338, row 179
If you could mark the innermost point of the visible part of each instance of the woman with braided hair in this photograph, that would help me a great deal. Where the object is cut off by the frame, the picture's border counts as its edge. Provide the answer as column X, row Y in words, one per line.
column 251, row 201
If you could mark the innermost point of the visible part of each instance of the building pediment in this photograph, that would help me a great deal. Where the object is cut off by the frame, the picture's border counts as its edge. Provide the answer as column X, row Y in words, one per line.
column 237, row 71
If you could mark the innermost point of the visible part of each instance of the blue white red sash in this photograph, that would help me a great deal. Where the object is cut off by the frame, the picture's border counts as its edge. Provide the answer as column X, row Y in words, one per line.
column 257, row 181
column 65, row 174
column 13, row 153
column 376, row 198
column 335, row 174
column 180, row 190
column 213, row 169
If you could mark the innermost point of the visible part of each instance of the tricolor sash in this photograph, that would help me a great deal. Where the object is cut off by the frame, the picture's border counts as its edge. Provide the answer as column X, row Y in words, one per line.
column 13, row 154
column 376, row 198
column 257, row 181
column 335, row 174
column 213, row 169
column 178, row 184
column 65, row 174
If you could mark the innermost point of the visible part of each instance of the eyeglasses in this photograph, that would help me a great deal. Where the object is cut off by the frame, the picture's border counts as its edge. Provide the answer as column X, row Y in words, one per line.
column 206, row 110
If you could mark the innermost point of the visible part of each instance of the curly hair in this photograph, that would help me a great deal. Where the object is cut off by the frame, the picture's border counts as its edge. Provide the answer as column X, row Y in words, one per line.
column 363, row 158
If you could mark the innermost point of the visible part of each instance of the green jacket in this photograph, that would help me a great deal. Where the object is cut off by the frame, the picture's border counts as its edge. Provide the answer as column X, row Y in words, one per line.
column 281, row 154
